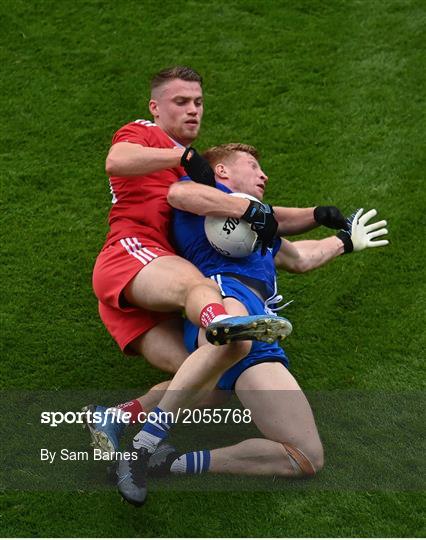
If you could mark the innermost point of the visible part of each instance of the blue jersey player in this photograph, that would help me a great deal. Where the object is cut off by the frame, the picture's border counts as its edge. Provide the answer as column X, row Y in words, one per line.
column 291, row 446
column 250, row 280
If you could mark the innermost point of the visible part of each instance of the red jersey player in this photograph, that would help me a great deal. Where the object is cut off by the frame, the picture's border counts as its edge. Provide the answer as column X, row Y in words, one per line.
column 138, row 279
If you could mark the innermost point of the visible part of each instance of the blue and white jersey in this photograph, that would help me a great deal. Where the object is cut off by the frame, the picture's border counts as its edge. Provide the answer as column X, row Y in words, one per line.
column 191, row 242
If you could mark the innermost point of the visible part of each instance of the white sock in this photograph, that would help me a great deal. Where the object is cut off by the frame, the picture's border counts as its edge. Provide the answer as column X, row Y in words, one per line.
column 221, row 317
column 192, row 463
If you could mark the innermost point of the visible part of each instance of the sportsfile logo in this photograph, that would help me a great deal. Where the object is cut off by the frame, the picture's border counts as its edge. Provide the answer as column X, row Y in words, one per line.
column 102, row 418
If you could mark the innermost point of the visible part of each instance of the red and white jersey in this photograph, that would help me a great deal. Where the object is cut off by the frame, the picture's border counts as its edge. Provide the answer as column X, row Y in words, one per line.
column 139, row 203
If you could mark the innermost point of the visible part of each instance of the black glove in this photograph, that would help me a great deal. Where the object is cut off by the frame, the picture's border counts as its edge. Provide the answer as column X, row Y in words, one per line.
column 197, row 168
column 330, row 217
column 261, row 218
column 345, row 233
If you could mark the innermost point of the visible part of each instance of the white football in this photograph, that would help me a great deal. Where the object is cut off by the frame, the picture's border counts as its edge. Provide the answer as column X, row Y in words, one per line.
column 230, row 236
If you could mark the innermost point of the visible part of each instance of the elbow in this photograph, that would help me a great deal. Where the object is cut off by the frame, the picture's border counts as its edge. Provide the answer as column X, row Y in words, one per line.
column 300, row 266
column 175, row 195
column 112, row 166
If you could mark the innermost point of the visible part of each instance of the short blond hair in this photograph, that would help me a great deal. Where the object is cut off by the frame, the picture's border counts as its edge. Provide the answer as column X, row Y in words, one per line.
column 223, row 152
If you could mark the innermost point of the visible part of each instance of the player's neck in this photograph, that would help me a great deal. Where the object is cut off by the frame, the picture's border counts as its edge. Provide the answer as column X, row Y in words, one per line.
column 179, row 141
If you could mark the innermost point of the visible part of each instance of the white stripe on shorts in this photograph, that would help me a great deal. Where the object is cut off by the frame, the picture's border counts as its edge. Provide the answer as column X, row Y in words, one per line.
column 218, row 279
column 137, row 248
column 134, row 251
column 146, row 251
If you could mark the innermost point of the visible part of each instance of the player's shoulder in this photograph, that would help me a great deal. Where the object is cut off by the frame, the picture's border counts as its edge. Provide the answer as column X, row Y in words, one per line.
column 145, row 123
column 138, row 125
column 142, row 131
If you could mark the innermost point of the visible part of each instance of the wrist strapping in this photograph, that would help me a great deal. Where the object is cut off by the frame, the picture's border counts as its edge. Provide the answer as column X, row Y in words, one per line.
column 345, row 237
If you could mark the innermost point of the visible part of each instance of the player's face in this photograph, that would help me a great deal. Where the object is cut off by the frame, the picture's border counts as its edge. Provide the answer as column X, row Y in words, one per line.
column 246, row 175
column 177, row 108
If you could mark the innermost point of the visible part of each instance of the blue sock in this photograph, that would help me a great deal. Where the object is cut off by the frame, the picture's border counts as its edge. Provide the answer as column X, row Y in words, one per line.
column 155, row 430
column 192, row 463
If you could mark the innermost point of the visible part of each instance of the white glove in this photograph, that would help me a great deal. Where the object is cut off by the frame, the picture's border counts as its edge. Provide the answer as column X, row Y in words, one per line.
column 360, row 235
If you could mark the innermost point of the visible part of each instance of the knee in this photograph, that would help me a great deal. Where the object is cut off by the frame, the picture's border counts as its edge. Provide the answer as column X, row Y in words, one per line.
column 203, row 282
column 168, row 364
column 238, row 350
column 195, row 285
column 316, row 457
column 228, row 355
column 305, row 460
column 186, row 286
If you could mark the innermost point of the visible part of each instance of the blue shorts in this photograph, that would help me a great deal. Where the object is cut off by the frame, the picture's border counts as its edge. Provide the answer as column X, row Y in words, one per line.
column 260, row 352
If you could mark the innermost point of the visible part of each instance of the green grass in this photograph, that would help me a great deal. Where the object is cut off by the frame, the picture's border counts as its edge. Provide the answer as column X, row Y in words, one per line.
column 332, row 95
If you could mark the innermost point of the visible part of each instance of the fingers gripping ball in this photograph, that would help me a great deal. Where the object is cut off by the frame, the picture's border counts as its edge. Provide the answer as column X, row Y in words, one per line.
column 261, row 218
column 232, row 237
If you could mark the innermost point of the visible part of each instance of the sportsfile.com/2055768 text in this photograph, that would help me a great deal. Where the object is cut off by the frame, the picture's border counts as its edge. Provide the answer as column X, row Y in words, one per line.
column 185, row 416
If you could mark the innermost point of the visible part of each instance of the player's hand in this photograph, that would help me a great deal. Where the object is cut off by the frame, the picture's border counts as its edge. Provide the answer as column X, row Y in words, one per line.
column 330, row 217
column 261, row 218
column 197, row 167
column 358, row 235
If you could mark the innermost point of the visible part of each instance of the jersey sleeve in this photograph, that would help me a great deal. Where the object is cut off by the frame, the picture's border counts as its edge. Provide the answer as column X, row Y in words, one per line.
column 134, row 133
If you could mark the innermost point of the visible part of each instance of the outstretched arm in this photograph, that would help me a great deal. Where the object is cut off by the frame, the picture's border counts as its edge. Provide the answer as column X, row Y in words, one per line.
column 294, row 220
column 306, row 255
column 300, row 220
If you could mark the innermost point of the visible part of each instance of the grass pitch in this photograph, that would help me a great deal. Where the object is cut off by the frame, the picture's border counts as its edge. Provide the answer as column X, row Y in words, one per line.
column 331, row 93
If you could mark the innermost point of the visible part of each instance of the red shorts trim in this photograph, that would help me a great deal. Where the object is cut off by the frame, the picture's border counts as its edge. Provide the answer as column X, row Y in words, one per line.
column 125, row 326
column 118, row 263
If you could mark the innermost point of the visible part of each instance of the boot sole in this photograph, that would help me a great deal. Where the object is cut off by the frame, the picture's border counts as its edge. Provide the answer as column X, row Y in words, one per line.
column 253, row 328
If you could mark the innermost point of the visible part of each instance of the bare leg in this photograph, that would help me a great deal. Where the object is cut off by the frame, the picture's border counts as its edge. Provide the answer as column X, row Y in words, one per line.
column 170, row 283
column 282, row 413
column 153, row 397
column 163, row 345
column 252, row 456
column 201, row 371
column 164, row 348
column 213, row 398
